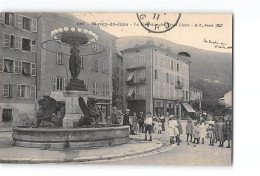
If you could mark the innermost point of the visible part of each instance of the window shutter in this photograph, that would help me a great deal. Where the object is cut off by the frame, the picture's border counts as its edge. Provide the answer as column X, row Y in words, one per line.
column 65, row 84
column 19, row 67
column 6, row 40
column 18, row 21
column 16, row 67
column 6, row 90
column 58, row 57
column 54, row 83
column 2, row 17
column 33, row 46
column 34, row 25
column 62, row 57
column 18, row 90
column 1, row 64
column 20, row 43
column 16, row 43
column 33, row 69
column 33, row 91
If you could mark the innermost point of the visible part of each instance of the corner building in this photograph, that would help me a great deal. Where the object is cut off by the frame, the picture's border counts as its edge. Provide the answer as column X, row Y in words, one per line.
column 156, row 80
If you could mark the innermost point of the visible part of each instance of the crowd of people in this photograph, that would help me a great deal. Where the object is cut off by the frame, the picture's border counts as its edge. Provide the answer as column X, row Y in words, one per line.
column 217, row 131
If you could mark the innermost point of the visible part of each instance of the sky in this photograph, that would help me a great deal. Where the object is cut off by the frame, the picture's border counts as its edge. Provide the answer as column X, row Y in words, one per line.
column 213, row 31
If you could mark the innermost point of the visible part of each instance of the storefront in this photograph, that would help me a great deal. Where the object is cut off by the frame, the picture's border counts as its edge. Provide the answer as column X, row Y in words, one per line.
column 104, row 106
column 158, row 107
column 170, row 107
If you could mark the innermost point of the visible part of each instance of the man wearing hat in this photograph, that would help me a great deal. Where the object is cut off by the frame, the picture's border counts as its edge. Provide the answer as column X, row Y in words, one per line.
column 148, row 125
column 126, row 117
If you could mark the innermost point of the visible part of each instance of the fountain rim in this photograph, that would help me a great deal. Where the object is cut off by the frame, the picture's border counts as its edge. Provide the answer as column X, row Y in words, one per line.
column 68, row 129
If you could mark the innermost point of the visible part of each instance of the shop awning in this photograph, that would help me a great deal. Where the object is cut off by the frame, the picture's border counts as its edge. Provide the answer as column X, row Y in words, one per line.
column 130, row 76
column 130, row 92
column 188, row 107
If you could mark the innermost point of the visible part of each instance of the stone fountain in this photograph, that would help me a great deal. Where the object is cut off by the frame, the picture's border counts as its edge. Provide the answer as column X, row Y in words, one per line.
column 80, row 128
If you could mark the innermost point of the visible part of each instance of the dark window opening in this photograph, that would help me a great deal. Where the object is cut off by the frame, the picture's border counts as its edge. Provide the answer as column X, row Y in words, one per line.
column 8, row 66
column 26, row 69
column 26, row 46
column 26, row 23
column 9, row 19
column 7, row 115
column 12, row 38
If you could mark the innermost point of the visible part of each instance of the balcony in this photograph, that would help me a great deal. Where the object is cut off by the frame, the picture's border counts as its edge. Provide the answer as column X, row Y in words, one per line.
column 135, row 67
column 135, row 82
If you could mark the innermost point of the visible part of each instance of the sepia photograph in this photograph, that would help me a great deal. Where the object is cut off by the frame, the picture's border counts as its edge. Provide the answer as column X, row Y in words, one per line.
column 116, row 88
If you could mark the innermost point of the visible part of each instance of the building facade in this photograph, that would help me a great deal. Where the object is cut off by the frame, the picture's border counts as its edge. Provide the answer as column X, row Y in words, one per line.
column 28, row 72
column 117, row 79
column 54, row 66
column 18, row 72
column 155, row 80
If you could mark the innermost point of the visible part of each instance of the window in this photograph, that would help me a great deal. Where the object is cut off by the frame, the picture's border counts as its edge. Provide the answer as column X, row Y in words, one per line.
column 81, row 62
column 34, row 46
column 142, row 91
column 95, row 46
column 95, row 65
column 187, row 98
column 60, row 84
column 121, row 72
column 107, row 89
column 167, row 77
column 12, row 41
column 59, row 57
column 95, row 89
column 18, row 43
column 7, row 90
column 26, row 44
column 142, row 74
column 6, row 40
column 142, row 62
column 131, row 62
column 33, row 92
column 104, row 68
column 8, row 66
column 104, row 87
column 177, row 67
column 26, row 68
column 155, row 74
column 9, row 19
column 26, row 23
column 7, row 115
column 33, row 69
column 25, row 91
column 172, row 65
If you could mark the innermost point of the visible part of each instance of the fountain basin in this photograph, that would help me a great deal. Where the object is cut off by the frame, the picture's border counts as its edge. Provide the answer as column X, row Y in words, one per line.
column 75, row 137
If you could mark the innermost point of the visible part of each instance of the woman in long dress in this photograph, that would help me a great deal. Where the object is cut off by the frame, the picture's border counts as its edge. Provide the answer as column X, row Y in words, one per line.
column 221, row 132
column 203, row 131
column 173, row 129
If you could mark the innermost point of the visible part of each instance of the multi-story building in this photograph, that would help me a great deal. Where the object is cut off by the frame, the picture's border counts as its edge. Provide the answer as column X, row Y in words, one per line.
column 27, row 71
column 195, row 94
column 54, row 67
column 18, row 73
column 155, row 79
column 117, row 67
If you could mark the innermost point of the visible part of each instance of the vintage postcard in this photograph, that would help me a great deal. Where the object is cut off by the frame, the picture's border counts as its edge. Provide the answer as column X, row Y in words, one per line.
column 116, row 88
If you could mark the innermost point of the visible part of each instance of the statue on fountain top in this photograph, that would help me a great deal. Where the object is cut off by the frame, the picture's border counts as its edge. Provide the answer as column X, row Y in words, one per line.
column 74, row 62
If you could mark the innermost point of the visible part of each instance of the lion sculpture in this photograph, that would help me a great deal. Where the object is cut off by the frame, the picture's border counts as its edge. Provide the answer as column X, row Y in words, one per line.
column 46, row 112
column 92, row 113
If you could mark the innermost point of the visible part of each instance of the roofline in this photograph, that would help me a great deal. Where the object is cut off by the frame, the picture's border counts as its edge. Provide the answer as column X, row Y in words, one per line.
column 193, row 88
column 152, row 45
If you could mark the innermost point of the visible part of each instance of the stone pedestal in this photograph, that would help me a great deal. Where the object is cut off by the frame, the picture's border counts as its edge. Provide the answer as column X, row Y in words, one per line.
column 76, row 84
column 73, row 112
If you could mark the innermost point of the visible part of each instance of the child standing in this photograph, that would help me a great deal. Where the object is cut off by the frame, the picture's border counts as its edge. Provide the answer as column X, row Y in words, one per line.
column 196, row 132
column 189, row 129
column 148, row 125
column 211, row 132
column 159, row 126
